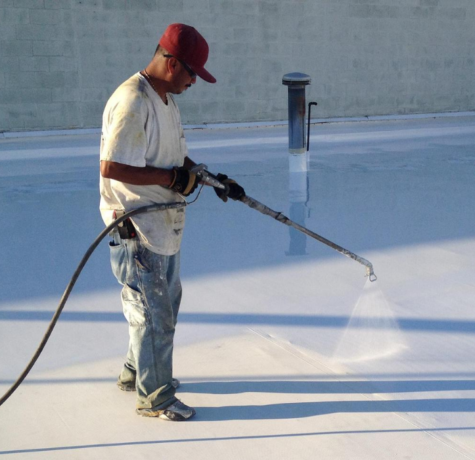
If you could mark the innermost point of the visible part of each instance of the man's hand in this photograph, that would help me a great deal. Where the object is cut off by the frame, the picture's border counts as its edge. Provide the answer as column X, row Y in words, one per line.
column 233, row 189
column 184, row 182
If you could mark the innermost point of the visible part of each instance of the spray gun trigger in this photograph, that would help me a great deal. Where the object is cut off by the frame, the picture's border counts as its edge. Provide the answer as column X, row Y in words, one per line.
column 198, row 169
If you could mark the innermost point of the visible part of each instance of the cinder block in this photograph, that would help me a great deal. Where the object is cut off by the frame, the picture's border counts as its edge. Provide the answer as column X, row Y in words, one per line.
column 62, row 64
column 71, row 116
column 276, row 48
column 94, row 51
column 67, row 23
column 374, row 11
column 25, row 95
column 16, row 48
column 91, row 113
column 244, row 35
column 68, row 47
column 122, row 32
column 48, row 80
column 95, row 94
column 267, row 35
column 207, row 108
column 90, row 30
column 192, row 6
column 454, row 14
column 148, row 5
column 235, row 49
column 17, row 80
column 63, row 79
column 38, row 32
column 421, row 13
column 97, row 78
column 236, row 19
column 59, row 114
column 34, row 63
column 137, row 47
column 45, row 17
column 18, row 115
column 50, row 47
column 7, row 32
column 9, row 64
column 224, row 7
column 235, row 107
column 189, row 109
column 66, row 94
column 29, row 4
column 8, row 123
column 269, row 8
column 57, row 4
column 12, row 16
column 292, row 11
column 114, row 4
column 85, row 4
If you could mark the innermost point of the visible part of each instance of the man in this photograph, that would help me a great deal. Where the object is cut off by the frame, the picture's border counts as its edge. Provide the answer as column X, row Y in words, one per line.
column 144, row 160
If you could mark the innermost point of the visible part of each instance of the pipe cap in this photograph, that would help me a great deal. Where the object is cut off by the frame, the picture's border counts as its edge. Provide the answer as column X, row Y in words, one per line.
column 296, row 78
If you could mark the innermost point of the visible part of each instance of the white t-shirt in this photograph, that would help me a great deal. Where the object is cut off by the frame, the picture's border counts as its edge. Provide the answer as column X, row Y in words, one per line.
column 139, row 129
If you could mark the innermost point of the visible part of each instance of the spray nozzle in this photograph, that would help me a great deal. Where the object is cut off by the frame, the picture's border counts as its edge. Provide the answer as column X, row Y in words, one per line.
column 370, row 273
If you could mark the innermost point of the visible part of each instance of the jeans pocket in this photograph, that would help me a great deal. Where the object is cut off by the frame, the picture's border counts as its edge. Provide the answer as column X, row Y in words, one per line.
column 118, row 261
column 135, row 307
column 143, row 259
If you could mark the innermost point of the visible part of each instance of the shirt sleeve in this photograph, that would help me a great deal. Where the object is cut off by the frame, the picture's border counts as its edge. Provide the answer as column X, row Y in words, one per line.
column 123, row 136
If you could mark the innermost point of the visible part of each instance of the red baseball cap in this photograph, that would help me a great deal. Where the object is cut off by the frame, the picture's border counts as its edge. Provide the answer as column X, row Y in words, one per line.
column 188, row 45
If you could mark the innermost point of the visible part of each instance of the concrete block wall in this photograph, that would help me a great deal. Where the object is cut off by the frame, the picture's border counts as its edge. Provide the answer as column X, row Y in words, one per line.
column 61, row 59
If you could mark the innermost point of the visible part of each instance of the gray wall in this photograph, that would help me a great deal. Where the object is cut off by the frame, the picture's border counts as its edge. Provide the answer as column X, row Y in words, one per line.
column 61, row 59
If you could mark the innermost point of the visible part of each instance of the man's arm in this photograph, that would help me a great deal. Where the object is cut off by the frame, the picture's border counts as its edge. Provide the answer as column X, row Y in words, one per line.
column 180, row 180
column 147, row 175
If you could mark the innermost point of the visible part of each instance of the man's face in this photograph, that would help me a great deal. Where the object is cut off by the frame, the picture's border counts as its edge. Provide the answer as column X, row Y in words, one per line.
column 183, row 78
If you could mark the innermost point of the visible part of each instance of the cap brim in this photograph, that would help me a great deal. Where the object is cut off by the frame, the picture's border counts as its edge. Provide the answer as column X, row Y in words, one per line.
column 205, row 75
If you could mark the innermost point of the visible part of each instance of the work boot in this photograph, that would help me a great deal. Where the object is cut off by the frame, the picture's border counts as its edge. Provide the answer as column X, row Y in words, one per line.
column 130, row 385
column 175, row 412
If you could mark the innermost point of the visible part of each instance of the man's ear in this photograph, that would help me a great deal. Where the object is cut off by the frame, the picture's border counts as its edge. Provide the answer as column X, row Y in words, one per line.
column 172, row 65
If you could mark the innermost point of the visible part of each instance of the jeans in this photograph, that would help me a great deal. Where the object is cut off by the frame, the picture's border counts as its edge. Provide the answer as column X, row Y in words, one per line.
column 151, row 296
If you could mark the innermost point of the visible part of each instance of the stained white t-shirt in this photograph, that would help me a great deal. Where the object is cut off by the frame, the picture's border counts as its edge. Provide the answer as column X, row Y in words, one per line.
column 139, row 129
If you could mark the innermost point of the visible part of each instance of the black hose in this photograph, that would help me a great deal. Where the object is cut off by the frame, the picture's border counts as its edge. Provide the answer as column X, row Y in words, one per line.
column 72, row 282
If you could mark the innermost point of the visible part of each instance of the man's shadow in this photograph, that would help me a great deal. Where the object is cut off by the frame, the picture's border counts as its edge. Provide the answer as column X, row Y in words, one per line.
column 291, row 410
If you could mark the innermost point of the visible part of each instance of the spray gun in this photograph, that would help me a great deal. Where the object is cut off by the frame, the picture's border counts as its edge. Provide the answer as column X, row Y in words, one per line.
column 206, row 177
column 202, row 172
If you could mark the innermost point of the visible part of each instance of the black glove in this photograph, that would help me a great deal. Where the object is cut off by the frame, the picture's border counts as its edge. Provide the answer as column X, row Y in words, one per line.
column 233, row 189
column 184, row 182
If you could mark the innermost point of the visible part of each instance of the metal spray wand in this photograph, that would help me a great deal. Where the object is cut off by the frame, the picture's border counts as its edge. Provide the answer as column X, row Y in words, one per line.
column 208, row 178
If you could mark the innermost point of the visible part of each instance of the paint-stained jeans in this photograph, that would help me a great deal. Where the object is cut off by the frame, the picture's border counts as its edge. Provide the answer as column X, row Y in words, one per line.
column 151, row 296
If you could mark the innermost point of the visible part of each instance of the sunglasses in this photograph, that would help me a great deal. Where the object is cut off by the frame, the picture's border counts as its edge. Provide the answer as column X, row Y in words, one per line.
column 190, row 71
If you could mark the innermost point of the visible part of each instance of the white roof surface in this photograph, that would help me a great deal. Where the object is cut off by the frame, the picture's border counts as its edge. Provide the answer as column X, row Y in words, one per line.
column 282, row 347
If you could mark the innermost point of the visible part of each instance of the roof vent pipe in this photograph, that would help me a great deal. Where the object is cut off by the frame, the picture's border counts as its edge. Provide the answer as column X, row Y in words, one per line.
column 296, row 83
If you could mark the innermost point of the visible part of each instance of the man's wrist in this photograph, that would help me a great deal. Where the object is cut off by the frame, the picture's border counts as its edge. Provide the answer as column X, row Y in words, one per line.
column 172, row 175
